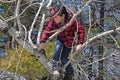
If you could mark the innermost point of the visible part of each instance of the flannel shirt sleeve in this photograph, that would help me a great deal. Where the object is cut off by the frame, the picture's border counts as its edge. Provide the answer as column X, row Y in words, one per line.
column 81, row 33
column 47, row 32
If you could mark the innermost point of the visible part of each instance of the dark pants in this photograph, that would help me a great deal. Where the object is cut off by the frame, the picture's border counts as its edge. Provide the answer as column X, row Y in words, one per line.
column 61, row 49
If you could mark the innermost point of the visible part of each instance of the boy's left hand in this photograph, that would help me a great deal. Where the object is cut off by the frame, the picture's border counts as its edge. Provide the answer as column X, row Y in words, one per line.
column 79, row 47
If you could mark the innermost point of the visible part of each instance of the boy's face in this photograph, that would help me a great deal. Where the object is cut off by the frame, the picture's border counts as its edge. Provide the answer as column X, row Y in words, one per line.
column 59, row 19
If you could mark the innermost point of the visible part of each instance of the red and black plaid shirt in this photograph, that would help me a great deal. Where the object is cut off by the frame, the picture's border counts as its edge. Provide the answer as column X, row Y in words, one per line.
column 67, row 36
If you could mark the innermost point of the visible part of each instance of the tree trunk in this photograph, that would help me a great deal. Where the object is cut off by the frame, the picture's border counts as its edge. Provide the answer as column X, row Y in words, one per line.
column 100, row 67
column 38, row 54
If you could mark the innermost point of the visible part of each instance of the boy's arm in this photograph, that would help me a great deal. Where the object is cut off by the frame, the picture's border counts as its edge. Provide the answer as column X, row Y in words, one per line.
column 81, row 34
column 47, row 32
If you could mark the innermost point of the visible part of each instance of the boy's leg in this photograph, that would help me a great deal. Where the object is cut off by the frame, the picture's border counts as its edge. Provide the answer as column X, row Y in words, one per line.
column 64, row 59
column 56, row 67
column 57, row 50
column 56, row 55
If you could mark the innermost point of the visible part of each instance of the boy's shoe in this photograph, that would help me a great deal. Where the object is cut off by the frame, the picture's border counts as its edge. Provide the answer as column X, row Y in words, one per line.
column 55, row 69
column 55, row 65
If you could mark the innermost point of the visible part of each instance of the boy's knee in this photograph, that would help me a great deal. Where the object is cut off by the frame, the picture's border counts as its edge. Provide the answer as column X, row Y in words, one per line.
column 57, row 47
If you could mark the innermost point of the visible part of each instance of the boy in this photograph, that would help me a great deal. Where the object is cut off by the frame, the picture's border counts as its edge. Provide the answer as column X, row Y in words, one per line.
column 65, row 39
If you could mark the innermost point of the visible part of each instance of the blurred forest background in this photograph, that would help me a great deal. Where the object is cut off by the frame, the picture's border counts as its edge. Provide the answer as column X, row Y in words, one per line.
column 99, row 60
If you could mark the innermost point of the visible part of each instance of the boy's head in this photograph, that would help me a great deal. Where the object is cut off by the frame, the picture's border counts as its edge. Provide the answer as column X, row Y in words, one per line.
column 59, row 13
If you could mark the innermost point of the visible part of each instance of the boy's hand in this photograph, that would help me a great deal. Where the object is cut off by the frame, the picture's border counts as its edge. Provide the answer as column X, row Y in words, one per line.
column 79, row 47
column 42, row 45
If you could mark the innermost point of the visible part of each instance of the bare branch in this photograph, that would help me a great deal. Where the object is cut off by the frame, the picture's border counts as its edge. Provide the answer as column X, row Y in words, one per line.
column 7, row 1
column 41, row 28
column 30, row 31
column 17, row 15
column 100, row 35
column 49, row 4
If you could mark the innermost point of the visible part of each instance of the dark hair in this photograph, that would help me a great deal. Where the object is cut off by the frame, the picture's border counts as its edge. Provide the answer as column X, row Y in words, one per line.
column 63, row 11
column 59, row 9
